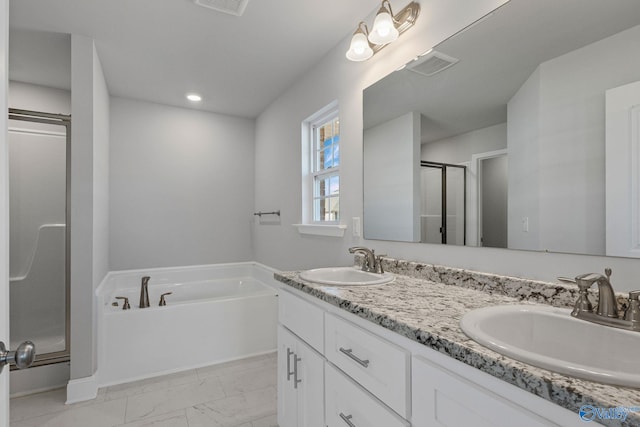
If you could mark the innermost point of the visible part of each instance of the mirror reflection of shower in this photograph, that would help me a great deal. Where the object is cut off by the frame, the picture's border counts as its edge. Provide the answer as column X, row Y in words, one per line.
column 443, row 203
column 39, row 145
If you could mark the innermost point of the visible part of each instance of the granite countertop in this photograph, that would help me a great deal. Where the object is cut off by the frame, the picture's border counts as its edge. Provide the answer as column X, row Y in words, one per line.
column 429, row 313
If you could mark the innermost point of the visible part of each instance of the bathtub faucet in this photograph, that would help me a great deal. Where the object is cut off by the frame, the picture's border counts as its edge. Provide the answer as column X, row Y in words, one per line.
column 144, row 292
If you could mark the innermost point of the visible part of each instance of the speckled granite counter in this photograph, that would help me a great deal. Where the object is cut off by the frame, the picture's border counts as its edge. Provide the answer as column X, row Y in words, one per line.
column 429, row 313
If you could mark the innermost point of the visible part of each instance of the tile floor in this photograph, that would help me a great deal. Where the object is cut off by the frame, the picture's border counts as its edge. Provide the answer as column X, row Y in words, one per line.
column 234, row 394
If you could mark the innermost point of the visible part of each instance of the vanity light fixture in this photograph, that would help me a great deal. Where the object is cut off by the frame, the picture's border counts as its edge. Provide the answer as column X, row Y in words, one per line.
column 386, row 28
column 360, row 49
column 194, row 97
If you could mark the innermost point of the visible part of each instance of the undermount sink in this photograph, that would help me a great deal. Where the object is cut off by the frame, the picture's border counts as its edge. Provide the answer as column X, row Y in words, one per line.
column 345, row 276
column 548, row 337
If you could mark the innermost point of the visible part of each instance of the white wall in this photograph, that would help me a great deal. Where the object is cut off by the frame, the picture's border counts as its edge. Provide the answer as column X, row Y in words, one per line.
column 460, row 148
column 278, row 137
column 4, row 204
column 568, row 176
column 89, row 145
column 523, row 114
column 26, row 96
column 278, row 141
column 181, row 186
column 392, row 199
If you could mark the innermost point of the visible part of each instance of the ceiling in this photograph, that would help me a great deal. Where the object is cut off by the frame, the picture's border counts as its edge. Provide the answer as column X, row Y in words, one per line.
column 159, row 50
column 497, row 55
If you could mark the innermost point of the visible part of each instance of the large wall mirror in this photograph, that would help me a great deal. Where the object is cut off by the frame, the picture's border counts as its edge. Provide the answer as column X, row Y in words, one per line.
column 521, row 131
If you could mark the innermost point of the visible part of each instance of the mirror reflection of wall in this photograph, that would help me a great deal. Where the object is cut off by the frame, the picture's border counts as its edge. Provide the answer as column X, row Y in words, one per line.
column 521, row 93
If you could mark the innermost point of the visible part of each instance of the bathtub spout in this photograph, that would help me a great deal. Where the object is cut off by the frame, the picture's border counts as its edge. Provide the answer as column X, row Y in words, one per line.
column 144, row 292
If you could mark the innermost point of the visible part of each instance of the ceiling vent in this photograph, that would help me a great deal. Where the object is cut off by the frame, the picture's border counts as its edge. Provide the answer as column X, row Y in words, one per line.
column 432, row 63
column 232, row 7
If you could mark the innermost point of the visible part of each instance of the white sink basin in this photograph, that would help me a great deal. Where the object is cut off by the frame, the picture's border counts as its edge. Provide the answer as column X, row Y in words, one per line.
column 345, row 276
column 550, row 338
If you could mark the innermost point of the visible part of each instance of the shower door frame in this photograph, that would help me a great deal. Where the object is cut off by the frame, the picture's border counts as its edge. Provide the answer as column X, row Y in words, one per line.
column 57, row 120
column 443, row 203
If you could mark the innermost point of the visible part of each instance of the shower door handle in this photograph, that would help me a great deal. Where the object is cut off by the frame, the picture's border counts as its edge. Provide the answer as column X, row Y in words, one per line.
column 23, row 356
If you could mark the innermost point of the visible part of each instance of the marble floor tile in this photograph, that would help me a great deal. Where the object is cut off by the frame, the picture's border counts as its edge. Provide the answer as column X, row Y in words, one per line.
column 160, row 402
column 237, row 366
column 172, row 419
column 151, row 384
column 241, row 409
column 37, row 404
column 253, row 379
column 236, row 394
column 102, row 414
column 270, row 421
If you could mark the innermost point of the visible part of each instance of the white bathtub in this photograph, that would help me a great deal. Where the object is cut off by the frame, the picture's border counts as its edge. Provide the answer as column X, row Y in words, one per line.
column 215, row 313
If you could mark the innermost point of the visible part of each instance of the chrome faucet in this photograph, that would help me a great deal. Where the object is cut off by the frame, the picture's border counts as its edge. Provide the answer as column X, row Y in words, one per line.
column 144, row 292
column 606, row 312
column 369, row 263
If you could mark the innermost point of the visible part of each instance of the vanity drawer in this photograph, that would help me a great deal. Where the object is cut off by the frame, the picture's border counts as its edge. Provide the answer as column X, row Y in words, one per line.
column 378, row 365
column 303, row 319
column 441, row 398
column 347, row 404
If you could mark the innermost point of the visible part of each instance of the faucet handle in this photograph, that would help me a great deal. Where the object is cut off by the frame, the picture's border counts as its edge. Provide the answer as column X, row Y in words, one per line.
column 125, row 304
column 632, row 313
column 378, row 264
column 162, row 301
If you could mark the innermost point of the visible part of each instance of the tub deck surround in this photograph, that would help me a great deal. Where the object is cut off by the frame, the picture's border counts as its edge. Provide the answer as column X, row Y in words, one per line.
column 216, row 313
column 429, row 313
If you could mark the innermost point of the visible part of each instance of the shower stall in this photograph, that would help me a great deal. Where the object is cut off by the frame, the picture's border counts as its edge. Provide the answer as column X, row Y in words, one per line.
column 39, row 179
column 443, row 203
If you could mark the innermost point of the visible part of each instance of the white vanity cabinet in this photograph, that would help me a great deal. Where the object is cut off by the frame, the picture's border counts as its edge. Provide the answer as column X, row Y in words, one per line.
column 300, row 363
column 352, row 372
column 379, row 366
column 442, row 398
column 300, row 382
column 349, row 405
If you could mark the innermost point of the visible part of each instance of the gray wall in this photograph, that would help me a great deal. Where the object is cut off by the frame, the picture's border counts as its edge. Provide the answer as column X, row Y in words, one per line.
column 181, row 186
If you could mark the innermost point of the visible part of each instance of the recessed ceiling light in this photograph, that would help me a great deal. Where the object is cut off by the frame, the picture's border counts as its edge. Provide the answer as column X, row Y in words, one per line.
column 194, row 97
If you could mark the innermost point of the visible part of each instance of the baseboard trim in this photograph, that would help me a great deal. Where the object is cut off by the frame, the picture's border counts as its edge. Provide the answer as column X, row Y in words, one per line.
column 82, row 389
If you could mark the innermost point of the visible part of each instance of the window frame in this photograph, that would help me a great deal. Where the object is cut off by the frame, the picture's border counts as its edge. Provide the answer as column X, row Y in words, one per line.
column 316, row 147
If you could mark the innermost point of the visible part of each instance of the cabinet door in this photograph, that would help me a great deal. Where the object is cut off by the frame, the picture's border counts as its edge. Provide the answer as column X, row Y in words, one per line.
column 287, row 398
column 309, row 372
column 443, row 399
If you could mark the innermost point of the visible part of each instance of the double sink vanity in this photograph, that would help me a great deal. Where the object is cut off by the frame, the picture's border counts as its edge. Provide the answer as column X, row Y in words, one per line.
column 391, row 347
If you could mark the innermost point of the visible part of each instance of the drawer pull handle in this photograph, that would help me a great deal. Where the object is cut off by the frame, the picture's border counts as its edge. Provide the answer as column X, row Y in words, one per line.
column 347, row 419
column 296, row 359
column 349, row 352
column 289, row 372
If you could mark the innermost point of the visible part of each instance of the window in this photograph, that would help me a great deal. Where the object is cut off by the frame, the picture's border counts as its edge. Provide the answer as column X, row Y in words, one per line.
column 325, row 168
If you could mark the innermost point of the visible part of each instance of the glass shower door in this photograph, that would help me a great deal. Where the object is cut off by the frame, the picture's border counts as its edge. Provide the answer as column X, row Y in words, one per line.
column 38, row 198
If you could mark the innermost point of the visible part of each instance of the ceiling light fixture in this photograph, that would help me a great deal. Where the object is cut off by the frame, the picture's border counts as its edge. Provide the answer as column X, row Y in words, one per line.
column 194, row 97
column 386, row 28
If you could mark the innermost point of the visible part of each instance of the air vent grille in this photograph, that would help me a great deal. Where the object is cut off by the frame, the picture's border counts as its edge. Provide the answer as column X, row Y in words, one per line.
column 432, row 63
column 232, row 7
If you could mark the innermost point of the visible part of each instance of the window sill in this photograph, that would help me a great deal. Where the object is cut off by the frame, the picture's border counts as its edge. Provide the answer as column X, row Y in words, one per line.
column 336, row 230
